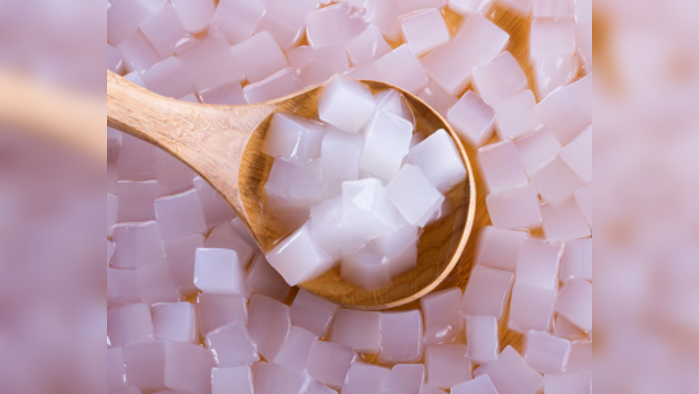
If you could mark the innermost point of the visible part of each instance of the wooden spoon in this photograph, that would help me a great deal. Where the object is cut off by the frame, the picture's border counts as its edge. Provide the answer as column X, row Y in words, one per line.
column 222, row 144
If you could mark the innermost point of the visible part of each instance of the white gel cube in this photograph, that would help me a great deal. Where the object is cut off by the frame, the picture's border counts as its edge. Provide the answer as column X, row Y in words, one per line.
column 423, row 31
column 367, row 268
column 413, row 195
column 499, row 77
column 174, row 322
column 317, row 65
column 138, row 53
column 226, row 236
column 164, row 30
column 498, row 248
column 365, row 379
column 487, row 292
column 576, row 262
column 450, row 66
column 515, row 114
column 552, row 72
column 553, row 9
column 556, row 181
column 238, row 19
column 479, row 385
column 564, row 115
column 215, row 311
column 469, row 7
column 216, row 209
column 401, row 337
column 384, row 14
column 346, row 104
column 565, row 222
column 180, row 215
column 578, row 155
column 329, row 363
column 510, row 374
column 268, row 325
column 180, row 254
column 340, row 154
column 386, row 143
column 137, row 160
column 443, row 320
column 173, row 175
column 367, row 46
column 552, row 38
column 155, row 284
column 563, row 328
column 128, row 324
column 121, row 287
column 334, row 24
column 115, row 62
column 574, row 302
column 188, row 367
column 367, row 210
column 515, row 209
column 169, row 78
column 124, row 16
column 259, row 57
column 265, row 280
column 194, row 14
column 400, row 248
column 393, row 102
column 308, row 385
column 447, row 365
column 296, row 349
column 330, row 232
column 217, row 271
column 144, row 365
column 531, row 308
column 299, row 259
column 403, row 69
column 538, row 149
column 473, row 119
column 439, row 161
column 405, row 379
column 228, row 94
column 137, row 244
column 358, row 330
column 273, row 379
column 312, row 313
column 580, row 359
column 538, row 263
column 483, row 38
column 232, row 346
column 501, row 167
column 233, row 380
column 137, row 201
column 482, row 334
column 546, row 353
column 211, row 63
column 297, row 140
column 279, row 84
column 437, row 98
column 292, row 189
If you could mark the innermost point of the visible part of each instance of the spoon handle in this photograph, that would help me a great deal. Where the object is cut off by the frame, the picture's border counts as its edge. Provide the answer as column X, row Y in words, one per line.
column 211, row 139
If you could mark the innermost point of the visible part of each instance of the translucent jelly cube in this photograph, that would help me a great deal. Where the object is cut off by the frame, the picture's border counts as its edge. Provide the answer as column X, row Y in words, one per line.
column 164, row 30
column 515, row 209
column 472, row 119
column 296, row 348
column 333, row 25
column 292, row 190
column 425, row 30
column 285, row 21
column 546, row 353
column 574, row 302
column 443, row 320
column 450, row 66
column 346, row 104
column 482, row 338
column 393, row 102
column 121, row 287
column 447, row 365
column 274, row 379
column 308, row 385
column 339, row 155
column 499, row 77
column 268, row 325
column 329, row 363
column 317, row 65
column 155, row 284
column 576, row 262
column 175, row 322
column 173, row 175
column 169, row 78
column 233, row 380
column 482, row 38
column 538, row 263
column 384, row 14
column 581, row 90
column 129, row 324
column 265, row 280
column 556, row 181
column 365, row 379
column 521, row 7
column 138, row 244
column 552, row 72
column 180, row 258
column 115, row 368
column 211, row 63
column 400, row 248
column 228, row 94
column 112, row 213
column 413, row 195
column 479, row 385
column 296, row 139
column 501, row 167
column 195, row 15
column 358, row 330
column 563, row 328
column 217, row 271
column 180, row 215
column 401, row 337
column 531, row 308
column 499, row 248
column 225, row 236
column 510, row 374
column 138, row 53
column 215, row 311
column 515, row 114
column 367, row 46
column 405, row 379
column 144, row 365
column 437, row 98
column 553, row 9
column 565, row 222
column 137, row 160
column 188, row 367
column 468, row 7
column 259, row 57
column 367, row 268
column 487, row 292
column 237, row 19
column 583, row 41
column 386, row 143
column 537, row 149
column 567, row 384
column 279, row 84
column 232, row 346
column 115, row 62
column 216, row 209
column 578, row 155
column 439, row 161
column 402, row 68
column 124, row 16
column 299, row 259
column 366, row 209
column 552, row 38
column 137, row 201
column 312, row 313
column 564, row 115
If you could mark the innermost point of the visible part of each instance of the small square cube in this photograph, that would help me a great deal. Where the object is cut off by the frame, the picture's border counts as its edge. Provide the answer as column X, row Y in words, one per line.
column 552, row 72
column 401, row 337
column 365, row 379
column 137, row 201
column 483, row 38
column 553, row 9
column 400, row 248
column 386, row 143
column 329, row 230
column 498, row 248
column 334, row 24
column 225, row 236
column 229, row 94
column 443, row 320
column 576, row 262
column 531, row 308
column 180, row 254
column 546, row 353
column 501, row 167
column 175, row 322
column 436, row 97
column 367, row 210
column 358, row 330
column 121, row 287
column 155, row 284
column 188, row 367
column 439, row 161
column 195, row 14
column 217, row 271
column 565, row 222
column 447, row 365
column 137, row 244
column 144, row 365
column 279, row 84
column 340, row 154
column 329, row 363
column 367, row 46
column 317, row 65
column 265, row 280
column 232, row 346
column 450, row 66
column 312, row 313
column 479, row 385
column 216, row 311
column 298, row 258
column 499, row 77
column 180, row 215
column 473, row 119
column 564, row 114
column 164, row 30
column 216, row 209
column 538, row 263
column 259, row 57
column 515, row 114
column 487, row 292
column 424, row 31
column 268, row 325
column 413, row 195
column 169, row 78
column 128, row 324
column 482, row 334
column 405, row 379
column 402, row 68
column 293, row 138
column 510, row 374
column 346, row 104
column 578, row 155
column 292, row 189
column 367, row 268
column 552, row 38
column 538, row 149
column 393, row 102
column 296, row 349
column 233, row 380
column 274, row 379
column 556, row 181
column 137, row 52
column 515, row 209
column 574, row 302
column 124, row 16
column 237, row 19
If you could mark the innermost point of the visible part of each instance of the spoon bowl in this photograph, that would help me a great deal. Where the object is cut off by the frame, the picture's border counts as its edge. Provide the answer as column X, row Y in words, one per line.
column 223, row 145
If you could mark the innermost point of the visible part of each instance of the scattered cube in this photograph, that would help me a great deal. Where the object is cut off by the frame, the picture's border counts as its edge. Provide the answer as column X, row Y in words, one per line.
column 216, row 209
column 482, row 38
column 308, row 385
column 121, row 287
column 298, row 258
column 472, row 119
column 195, row 15
column 232, row 346
column 259, row 57
column 137, row 159
column 479, row 385
column 216, row 311
column 498, row 248
column 515, row 209
column 237, row 19
column 124, row 17
column 175, row 322
column 537, row 149
column 510, row 374
column 515, row 114
column 450, row 66
column 531, row 308
column 268, row 325
column 358, row 330
column 317, row 65
column 367, row 46
column 574, row 302
column 402, row 68
column 329, row 363
column 386, row 143
column 144, row 365
column 563, row 328
column 385, row 14
column 233, row 380
column 565, row 222
column 413, row 195
column 210, row 62
column 293, row 189
column 293, row 138
column 424, row 31
column 393, row 102
column 128, row 324
column 329, row 230
column 552, row 72
column 439, row 161
column 138, row 244
column 447, row 365
column 334, row 24
column 576, row 262
column 365, row 379
column 367, row 268
column 312, row 313
column 340, row 154
column 279, row 84
column 501, row 167
column 169, row 78
column 229, row 94
column 180, row 254
column 553, row 9
column 274, row 379
column 137, row 52
column 401, row 337
column 578, row 155
column 367, row 210
column 155, row 284
column 400, row 248
column 487, row 292
column 564, row 114
column 217, row 271
column 556, row 181
column 296, row 349
column 188, row 367
column 225, row 236
column 500, row 77
column 164, row 30
column 437, row 98
column 405, row 379
column 551, row 38
column 482, row 337
column 538, row 263
column 180, row 215
column 265, row 280
column 443, row 320
column 580, row 359
column 546, row 353
column 346, row 104
column 137, row 201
